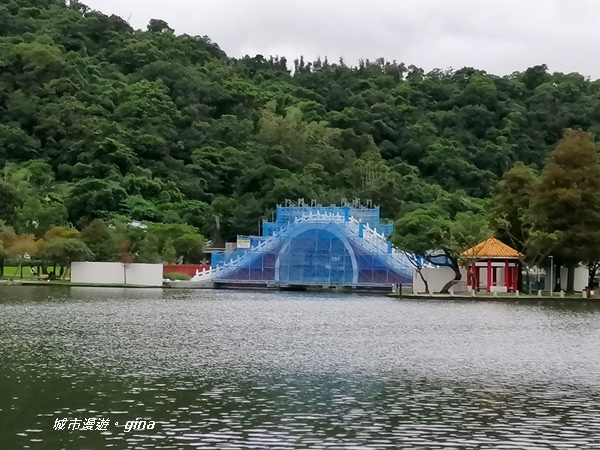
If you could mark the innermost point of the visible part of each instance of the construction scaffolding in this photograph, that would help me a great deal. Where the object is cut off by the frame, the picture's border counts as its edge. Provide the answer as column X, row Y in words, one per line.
column 332, row 246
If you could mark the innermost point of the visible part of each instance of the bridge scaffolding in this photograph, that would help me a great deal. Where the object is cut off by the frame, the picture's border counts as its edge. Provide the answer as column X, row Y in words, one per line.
column 315, row 245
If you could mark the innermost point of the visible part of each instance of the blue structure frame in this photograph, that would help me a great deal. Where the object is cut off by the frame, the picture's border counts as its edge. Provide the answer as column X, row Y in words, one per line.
column 316, row 246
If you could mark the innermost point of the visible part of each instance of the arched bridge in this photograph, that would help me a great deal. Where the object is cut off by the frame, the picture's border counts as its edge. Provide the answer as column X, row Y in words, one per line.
column 314, row 246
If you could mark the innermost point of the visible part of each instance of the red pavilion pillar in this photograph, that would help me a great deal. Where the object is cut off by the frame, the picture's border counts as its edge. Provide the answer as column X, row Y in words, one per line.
column 489, row 275
column 469, row 277
column 472, row 277
column 507, row 276
column 516, row 277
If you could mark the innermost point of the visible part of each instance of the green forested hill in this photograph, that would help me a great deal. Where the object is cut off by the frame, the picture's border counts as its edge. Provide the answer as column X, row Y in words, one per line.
column 98, row 120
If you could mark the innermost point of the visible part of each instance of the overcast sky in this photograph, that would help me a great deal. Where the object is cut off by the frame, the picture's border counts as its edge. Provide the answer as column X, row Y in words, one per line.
column 499, row 36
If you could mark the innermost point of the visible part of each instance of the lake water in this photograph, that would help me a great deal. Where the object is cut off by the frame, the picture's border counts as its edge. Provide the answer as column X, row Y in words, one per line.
column 243, row 370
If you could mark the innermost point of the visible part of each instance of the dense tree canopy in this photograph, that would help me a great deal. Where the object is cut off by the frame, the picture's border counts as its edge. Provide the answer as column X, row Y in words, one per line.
column 556, row 212
column 100, row 121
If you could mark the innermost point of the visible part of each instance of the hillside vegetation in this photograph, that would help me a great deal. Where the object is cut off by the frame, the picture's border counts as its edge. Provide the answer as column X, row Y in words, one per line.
column 101, row 121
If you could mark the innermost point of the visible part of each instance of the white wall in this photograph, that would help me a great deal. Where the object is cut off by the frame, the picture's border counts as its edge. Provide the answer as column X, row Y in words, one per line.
column 112, row 273
column 437, row 279
column 581, row 278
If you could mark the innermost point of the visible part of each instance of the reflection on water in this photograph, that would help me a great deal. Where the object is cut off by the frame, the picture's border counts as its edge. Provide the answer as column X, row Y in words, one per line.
column 284, row 371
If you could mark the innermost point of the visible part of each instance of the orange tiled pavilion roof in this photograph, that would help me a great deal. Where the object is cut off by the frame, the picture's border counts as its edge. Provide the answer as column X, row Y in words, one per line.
column 492, row 248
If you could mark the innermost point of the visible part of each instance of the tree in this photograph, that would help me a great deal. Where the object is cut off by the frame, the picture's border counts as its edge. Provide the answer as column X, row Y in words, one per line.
column 159, row 26
column 101, row 240
column 61, row 232
column 514, row 220
column 511, row 206
column 411, row 237
column 62, row 246
column 146, row 249
column 23, row 248
column 190, row 247
column 16, row 145
column 4, row 253
column 418, row 263
column 169, row 254
column 92, row 199
column 65, row 250
column 9, row 202
column 593, row 267
column 126, row 257
column 37, row 215
column 7, row 237
column 440, row 239
column 466, row 231
column 567, row 200
column 534, row 245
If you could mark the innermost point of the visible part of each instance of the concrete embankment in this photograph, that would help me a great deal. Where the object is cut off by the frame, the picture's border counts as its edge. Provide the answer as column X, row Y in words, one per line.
column 488, row 298
column 187, row 285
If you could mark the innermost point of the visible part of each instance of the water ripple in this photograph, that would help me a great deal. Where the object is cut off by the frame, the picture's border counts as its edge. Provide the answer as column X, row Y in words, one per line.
column 226, row 370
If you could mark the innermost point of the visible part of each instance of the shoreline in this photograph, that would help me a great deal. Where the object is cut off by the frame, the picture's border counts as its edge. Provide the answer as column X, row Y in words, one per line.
column 407, row 296
column 65, row 283
column 488, row 298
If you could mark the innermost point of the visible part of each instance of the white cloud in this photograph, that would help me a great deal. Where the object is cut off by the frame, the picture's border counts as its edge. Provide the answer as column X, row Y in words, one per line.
column 500, row 36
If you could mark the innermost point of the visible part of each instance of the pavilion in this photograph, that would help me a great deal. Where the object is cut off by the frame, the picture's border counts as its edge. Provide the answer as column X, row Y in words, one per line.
column 499, row 264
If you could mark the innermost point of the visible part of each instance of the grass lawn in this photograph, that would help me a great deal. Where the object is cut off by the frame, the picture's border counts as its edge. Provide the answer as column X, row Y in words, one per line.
column 13, row 272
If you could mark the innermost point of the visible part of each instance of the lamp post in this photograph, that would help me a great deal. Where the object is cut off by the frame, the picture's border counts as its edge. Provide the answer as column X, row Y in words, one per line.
column 551, row 276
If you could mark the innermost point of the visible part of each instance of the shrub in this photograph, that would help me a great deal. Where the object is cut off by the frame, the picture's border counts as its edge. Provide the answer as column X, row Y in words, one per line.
column 175, row 276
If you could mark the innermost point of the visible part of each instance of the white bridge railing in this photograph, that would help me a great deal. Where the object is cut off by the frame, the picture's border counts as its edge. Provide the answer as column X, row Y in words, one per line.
column 377, row 243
